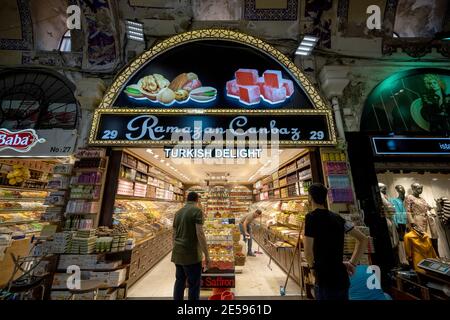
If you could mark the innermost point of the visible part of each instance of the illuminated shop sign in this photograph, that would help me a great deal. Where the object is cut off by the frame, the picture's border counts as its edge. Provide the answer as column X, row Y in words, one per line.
column 147, row 128
column 37, row 143
column 416, row 100
column 217, row 77
column 20, row 141
column 212, row 152
column 411, row 146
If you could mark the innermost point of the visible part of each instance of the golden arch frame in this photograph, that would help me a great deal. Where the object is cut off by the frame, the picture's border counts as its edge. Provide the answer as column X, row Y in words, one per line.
column 212, row 34
column 319, row 103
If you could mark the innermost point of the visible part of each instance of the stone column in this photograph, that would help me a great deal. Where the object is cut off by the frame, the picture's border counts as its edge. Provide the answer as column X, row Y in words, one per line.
column 333, row 81
column 89, row 93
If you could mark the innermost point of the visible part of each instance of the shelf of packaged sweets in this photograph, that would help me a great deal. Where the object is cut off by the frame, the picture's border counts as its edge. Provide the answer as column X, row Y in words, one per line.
column 23, row 199
column 19, row 222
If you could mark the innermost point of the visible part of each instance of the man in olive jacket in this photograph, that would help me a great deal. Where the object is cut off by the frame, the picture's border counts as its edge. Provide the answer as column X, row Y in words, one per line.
column 189, row 242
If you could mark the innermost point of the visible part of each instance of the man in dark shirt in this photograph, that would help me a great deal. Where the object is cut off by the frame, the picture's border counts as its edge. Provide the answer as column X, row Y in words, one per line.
column 189, row 242
column 324, row 247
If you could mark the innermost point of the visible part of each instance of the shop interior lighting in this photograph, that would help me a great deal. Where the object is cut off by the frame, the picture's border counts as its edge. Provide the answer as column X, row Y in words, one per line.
column 306, row 46
column 135, row 30
column 149, row 151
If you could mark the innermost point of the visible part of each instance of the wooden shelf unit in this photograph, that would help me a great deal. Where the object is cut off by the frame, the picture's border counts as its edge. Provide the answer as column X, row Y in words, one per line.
column 272, row 182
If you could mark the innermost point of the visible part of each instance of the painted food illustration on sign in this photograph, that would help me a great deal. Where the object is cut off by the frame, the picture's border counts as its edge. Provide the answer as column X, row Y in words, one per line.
column 182, row 88
column 250, row 88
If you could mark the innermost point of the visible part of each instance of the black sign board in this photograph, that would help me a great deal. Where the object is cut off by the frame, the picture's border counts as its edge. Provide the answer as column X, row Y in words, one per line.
column 311, row 127
column 410, row 146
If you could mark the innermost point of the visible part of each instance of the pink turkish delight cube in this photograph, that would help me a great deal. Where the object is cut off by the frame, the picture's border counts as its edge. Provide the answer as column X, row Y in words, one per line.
column 273, row 78
column 289, row 85
column 261, row 84
column 232, row 88
column 274, row 95
column 246, row 77
column 249, row 94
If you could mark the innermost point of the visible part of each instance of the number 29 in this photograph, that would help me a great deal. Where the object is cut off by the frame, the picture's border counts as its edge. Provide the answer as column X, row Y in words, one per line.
column 109, row 134
column 317, row 135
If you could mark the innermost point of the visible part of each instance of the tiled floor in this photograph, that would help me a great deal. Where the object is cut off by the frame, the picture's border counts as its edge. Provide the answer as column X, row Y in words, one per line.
column 256, row 280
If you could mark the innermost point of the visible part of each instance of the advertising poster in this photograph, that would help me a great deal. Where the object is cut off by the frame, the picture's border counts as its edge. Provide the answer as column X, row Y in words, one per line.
column 417, row 102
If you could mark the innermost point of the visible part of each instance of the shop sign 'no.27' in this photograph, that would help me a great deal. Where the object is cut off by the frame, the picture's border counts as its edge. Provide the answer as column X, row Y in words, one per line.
column 20, row 141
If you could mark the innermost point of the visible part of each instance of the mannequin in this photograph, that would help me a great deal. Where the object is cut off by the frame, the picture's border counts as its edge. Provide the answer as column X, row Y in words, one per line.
column 443, row 227
column 416, row 206
column 400, row 217
column 418, row 245
column 389, row 212
column 418, row 212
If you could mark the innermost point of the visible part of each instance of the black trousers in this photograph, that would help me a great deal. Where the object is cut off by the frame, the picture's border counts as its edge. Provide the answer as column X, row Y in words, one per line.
column 192, row 273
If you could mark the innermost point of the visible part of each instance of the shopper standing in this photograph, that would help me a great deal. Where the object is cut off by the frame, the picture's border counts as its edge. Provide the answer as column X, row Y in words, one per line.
column 324, row 247
column 189, row 242
column 245, row 226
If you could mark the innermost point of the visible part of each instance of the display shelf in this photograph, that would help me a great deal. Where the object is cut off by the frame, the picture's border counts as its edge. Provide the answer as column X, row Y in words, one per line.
column 23, row 189
column 6, row 211
column 88, row 169
column 19, row 222
column 86, row 184
column 86, row 199
column 23, row 199
column 80, row 214
column 124, row 266
column 124, row 197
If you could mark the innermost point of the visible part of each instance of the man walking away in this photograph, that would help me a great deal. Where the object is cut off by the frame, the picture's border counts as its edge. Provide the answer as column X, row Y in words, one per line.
column 246, row 229
column 189, row 242
column 324, row 247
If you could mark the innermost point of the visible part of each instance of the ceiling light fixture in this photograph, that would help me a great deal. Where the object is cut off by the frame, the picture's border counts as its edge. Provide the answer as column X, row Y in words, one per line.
column 306, row 45
column 135, row 30
column 149, row 151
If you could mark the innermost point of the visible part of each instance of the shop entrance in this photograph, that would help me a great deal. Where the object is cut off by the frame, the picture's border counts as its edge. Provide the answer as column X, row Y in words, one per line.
column 151, row 187
column 255, row 100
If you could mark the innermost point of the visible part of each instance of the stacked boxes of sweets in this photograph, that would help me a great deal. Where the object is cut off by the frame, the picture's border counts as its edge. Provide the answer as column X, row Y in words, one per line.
column 85, row 192
column 250, row 88
column 83, row 242
column 81, row 206
column 59, row 182
column 112, row 240
column 78, row 222
column 291, row 168
column 62, row 242
column 304, row 175
column 336, row 168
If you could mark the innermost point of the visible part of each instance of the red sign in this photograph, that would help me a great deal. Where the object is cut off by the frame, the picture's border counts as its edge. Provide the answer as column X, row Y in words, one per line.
column 218, row 281
column 20, row 141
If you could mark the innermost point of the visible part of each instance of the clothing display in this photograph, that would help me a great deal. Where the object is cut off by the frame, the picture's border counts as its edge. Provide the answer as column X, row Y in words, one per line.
column 400, row 211
column 443, row 210
column 388, row 208
column 392, row 232
column 443, row 227
column 418, row 208
column 389, row 212
column 416, row 205
column 418, row 246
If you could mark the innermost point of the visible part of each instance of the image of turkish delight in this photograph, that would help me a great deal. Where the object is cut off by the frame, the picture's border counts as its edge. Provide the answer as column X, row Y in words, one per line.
column 250, row 88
